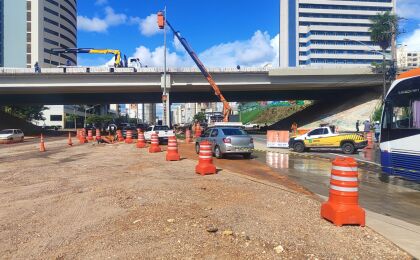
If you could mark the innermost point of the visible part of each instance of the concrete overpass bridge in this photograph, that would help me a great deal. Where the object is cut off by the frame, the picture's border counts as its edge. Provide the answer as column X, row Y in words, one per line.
column 74, row 85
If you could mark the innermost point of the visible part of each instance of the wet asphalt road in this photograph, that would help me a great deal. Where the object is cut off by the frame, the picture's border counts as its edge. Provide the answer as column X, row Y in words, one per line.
column 379, row 193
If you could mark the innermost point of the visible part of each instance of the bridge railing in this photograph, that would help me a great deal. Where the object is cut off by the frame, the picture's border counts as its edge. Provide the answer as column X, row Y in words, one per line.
column 77, row 70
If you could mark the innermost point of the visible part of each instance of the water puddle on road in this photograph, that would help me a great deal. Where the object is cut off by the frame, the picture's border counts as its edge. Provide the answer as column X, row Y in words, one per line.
column 378, row 192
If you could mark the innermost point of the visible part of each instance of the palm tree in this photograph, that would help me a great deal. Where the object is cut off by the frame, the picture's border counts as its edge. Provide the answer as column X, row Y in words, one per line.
column 383, row 31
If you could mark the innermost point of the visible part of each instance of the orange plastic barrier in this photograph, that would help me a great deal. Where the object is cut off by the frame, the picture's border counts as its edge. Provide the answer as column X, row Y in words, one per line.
column 42, row 144
column 70, row 142
column 369, row 138
column 172, row 153
column 278, row 139
column 90, row 135
column 129, row 138
column 342, row 206
column 205, row 164
column 154, row 144
column 141, row 142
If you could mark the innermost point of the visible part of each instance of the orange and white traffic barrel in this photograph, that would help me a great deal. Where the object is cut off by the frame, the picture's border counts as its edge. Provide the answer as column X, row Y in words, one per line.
column 154, row 144
column 205, row 164
column 82, row 139
column 120, row 136
column 342, row 207
column 172, row 152
column 141, row 142
column 129, row 137
column 188, row 136
column 369, row 137
column 98, row 135
column 90, row 135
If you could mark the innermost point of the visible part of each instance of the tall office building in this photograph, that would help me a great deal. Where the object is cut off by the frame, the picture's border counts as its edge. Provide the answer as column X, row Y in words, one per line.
column 314, row 32
column 31, row 28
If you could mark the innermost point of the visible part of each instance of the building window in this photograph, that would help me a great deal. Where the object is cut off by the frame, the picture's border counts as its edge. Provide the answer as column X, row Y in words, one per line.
column 56, row 118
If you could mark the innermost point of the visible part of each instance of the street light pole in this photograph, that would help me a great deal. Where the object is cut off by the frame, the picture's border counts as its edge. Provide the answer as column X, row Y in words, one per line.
column 384, row 90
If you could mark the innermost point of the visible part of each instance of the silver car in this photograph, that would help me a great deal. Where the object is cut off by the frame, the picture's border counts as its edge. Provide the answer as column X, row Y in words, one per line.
column 227, row 140
column 11, row 136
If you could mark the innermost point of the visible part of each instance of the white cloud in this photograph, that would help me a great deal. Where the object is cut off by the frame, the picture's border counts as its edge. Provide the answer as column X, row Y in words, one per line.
column 91, row 24
column 154, row 58
column 96, row 24
column 408, row 9
column 149, row 26
column 101, row 2
column 256, row 51
column 114, row 19
column 259, row 50
column 413, row 41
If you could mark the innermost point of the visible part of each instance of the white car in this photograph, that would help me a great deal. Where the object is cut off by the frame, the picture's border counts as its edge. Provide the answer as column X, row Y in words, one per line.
column 11, row 136
column 163, row 132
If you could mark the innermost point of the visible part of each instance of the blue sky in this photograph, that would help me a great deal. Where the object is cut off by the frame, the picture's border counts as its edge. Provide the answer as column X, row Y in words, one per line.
column 223, row 32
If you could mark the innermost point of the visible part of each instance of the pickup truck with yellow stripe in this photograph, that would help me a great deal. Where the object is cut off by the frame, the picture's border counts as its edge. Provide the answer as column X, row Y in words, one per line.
column 325, row 137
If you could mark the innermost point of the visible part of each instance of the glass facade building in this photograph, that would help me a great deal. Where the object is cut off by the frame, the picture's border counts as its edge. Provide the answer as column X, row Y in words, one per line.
column 31, row 28
column 329, row 32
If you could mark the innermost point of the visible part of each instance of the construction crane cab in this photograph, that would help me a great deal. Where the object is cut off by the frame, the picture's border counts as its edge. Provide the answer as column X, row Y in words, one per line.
column 162, row 22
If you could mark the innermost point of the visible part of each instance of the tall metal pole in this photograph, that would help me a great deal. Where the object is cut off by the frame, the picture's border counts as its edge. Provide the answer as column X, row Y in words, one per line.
column 384, row 76
column 164, row 97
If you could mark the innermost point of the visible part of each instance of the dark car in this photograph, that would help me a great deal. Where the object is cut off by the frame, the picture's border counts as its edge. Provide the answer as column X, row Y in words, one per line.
column 142, row 126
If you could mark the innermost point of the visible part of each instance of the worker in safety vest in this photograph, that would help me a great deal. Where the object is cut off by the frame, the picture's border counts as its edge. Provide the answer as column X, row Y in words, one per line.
column 294, row 128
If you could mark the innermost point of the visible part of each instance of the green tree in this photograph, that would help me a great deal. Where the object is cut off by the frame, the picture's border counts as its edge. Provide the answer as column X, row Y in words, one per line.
column 27, row 113
column 72, row 118
column 384, row 29
column 200, row 117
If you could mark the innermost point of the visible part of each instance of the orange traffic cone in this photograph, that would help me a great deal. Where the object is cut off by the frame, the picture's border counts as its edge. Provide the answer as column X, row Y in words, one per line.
column 69, row 142
column 205, row 160
column 141, row 142
column 342, row 206
column 154, row 144
column 129, row 137
column 172, row 153
column 188, row 136
column 42, row 145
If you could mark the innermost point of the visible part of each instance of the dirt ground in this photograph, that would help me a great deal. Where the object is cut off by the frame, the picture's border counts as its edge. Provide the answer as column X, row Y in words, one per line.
column 119, row 202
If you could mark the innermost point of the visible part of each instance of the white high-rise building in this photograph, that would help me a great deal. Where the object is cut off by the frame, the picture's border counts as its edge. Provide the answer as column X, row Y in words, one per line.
column 407, row 60
column 329, row 32
column 31, row 28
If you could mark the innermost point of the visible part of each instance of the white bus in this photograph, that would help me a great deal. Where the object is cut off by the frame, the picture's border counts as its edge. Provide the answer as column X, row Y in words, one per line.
column 400, row 131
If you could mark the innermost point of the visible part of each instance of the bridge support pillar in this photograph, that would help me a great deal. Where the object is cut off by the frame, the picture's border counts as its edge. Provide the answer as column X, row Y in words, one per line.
column 166, row 83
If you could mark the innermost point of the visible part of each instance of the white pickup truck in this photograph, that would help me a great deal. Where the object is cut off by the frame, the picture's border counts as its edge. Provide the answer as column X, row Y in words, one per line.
column 163, row 132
